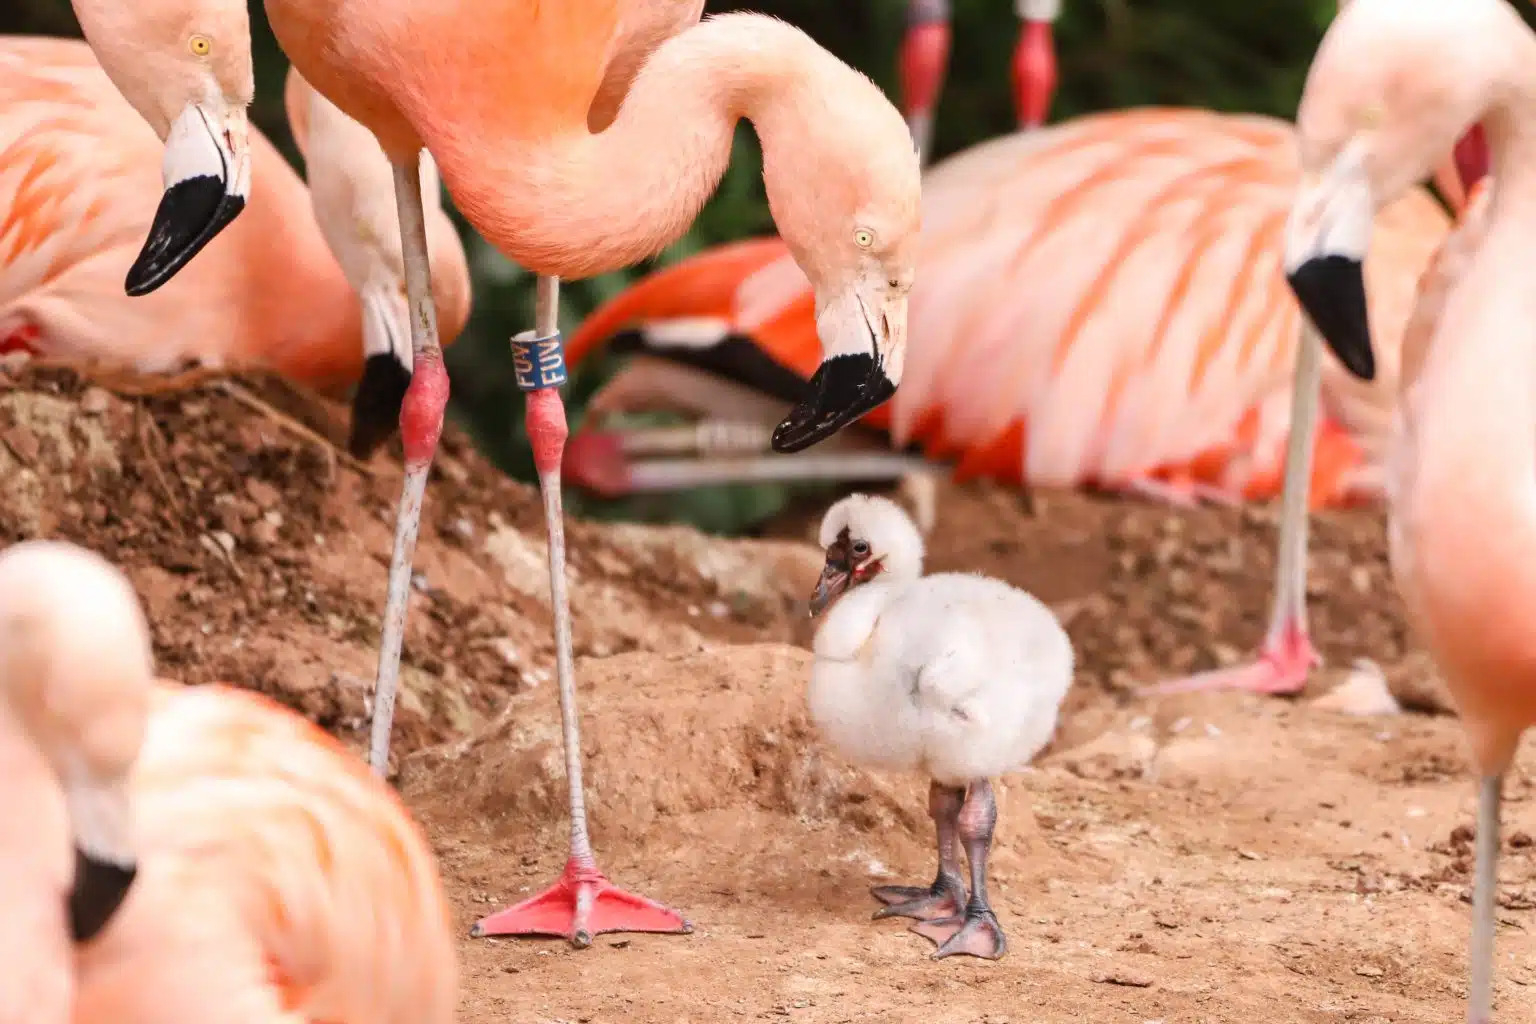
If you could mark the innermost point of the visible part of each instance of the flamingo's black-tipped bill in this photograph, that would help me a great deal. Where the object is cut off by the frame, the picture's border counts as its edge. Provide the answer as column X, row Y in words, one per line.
column 1331, row 291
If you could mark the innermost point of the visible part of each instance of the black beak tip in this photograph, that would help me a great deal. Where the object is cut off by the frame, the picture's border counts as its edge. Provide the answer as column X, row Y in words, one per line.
column 99, row 890
column 842, row 389
column 190, row 214
column 376, row 406
column 1331, row 291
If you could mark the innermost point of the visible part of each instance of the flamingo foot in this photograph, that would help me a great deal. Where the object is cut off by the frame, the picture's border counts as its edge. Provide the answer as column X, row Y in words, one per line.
column 581, row 904
column 1284, row 661
column 944, row 898
column 974, row 933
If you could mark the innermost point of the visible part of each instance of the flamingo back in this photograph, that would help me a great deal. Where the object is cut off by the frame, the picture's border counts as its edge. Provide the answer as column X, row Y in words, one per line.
column 280, row 880
column 1099, row 302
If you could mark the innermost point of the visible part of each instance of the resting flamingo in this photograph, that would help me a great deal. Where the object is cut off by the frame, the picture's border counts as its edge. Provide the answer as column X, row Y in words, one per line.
column 1391, row 85
column 267, row 872
column 75, row 163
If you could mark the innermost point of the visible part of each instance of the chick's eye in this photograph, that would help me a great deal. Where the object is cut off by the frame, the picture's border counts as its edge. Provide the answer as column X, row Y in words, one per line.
column 199, row 45
column 860, row 548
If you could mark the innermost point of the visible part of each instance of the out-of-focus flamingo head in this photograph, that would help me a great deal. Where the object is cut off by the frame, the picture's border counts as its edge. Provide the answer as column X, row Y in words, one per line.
column 1394, row 84
column 75, row 682
column 351, row 185
column 847, row 206
column 185, row 66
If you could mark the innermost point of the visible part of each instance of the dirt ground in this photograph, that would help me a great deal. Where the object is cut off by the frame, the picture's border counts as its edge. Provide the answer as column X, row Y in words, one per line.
column 1195, row 858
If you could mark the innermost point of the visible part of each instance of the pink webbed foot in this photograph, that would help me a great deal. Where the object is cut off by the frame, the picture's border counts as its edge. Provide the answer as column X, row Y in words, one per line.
column 581, row 904
column 944, row 898
column 1284, row 662
column 973, row 933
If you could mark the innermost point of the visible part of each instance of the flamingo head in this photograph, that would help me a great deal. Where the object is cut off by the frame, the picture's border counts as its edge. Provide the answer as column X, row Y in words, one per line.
column 185, row 66
column 75, row 683
column 846, row 203
column 865, row 536
column 1394, row 84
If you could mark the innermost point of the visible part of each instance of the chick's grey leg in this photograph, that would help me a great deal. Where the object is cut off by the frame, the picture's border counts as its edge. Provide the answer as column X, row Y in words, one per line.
column 946, row 896
column 976, row 931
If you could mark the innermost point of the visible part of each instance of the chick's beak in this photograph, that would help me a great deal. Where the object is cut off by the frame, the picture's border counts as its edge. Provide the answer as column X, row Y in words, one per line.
column 207, row 175
column 864, row 342
column 834, row 580
column 1326, row 239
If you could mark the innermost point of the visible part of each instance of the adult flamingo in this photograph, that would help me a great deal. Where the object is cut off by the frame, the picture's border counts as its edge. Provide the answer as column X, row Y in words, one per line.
column 268, row 294
column 1391, row 85
column 249, row 845
column 515, row 145
column 924, row 60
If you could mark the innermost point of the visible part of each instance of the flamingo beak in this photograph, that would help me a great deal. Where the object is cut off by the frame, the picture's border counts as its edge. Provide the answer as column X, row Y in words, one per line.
column 1326, row 239
column 104, row 866
column 387, row 365
column 864, row 342
column 834, row 580
column 207, row 174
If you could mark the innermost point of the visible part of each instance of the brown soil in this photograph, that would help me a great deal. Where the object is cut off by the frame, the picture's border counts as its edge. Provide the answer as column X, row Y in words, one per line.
column 1198, row 858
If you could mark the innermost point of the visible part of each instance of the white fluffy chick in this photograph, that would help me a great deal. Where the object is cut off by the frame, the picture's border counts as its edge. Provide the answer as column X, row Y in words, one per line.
column 957, row 675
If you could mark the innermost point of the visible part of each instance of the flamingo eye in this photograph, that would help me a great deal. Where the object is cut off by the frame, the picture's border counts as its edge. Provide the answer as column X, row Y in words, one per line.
column 199, row 45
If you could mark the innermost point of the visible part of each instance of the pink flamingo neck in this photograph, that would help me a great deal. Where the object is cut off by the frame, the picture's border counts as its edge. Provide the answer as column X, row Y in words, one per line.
column 578, row 203
column 1034, row 62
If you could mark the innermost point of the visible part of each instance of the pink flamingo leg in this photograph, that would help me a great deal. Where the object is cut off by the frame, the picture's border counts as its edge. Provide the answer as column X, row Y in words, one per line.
column 582, row 903
column 1034, row 61
column 922, row 65
column 1286, row 655
column 421, row 424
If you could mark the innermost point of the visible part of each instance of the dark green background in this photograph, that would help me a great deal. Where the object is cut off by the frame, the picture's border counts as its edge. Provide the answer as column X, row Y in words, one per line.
column 1220, row 54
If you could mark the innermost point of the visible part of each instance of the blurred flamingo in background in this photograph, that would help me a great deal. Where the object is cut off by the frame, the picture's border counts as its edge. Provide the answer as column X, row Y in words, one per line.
column 266, row 871
column 74, row 165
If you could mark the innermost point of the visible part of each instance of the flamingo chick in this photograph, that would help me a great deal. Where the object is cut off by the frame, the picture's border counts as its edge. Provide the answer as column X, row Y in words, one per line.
column 957, row 674
column 1393, row 83
column 268, row 873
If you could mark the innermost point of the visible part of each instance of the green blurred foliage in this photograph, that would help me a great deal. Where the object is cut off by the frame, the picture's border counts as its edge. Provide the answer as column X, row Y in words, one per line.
column 1218, row 54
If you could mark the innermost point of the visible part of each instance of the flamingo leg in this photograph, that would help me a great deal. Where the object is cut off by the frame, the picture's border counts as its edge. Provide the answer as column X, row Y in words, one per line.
column 975, row 931
column 1286, row 654
column 946, row 896
column 421, row 424
column 1484, row 900
column 922, row 66
column 582, row 902
column 1034, row 61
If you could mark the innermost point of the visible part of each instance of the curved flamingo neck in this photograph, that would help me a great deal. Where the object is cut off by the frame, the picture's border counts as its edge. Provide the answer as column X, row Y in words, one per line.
column 578, row 203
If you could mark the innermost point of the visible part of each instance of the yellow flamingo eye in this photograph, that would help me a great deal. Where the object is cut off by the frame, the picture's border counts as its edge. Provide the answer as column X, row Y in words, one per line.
column 864, row 238
column 199, row 45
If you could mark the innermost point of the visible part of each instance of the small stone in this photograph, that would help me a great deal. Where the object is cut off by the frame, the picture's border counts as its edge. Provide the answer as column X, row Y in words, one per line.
column 1369, row 971
column 94, row 402
column 22, row 443
column 262, row 493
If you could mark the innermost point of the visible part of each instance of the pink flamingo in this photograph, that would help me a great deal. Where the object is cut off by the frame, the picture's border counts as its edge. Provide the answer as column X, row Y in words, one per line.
column 224, row 849
column 1390, row 86
column 924, row 61
column 515, row 143
column 268, row 294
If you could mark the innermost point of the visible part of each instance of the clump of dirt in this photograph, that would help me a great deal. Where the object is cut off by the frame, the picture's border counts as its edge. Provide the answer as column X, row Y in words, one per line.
column 262, row 553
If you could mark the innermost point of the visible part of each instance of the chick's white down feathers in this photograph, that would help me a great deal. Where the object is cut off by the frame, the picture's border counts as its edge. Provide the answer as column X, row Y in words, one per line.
column 955, row 674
